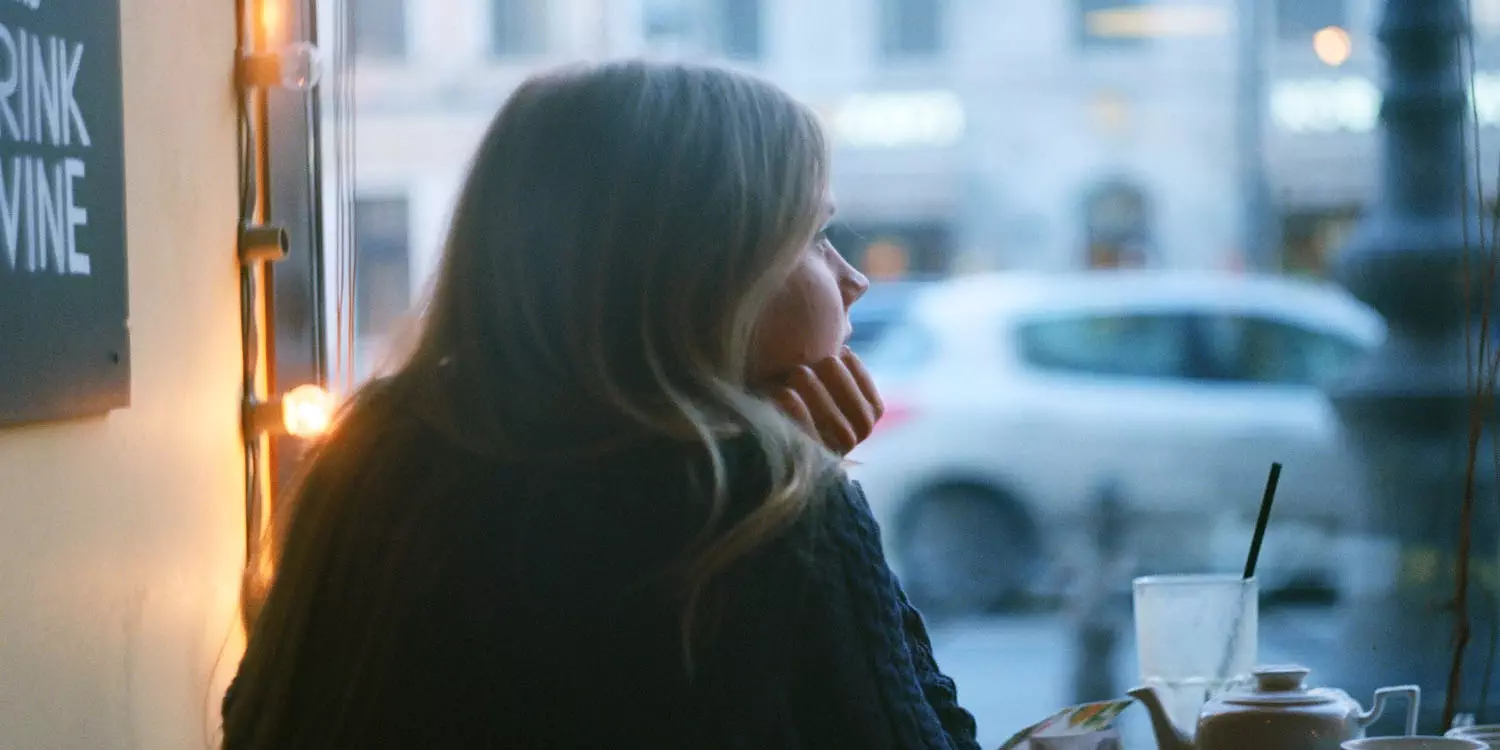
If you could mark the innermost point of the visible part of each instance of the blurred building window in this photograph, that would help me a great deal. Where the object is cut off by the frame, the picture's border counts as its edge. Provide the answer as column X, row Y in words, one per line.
column 379, row 29
column 382, row 278
column 1107, row 23
column 1486, row 17
column 728, row 28
column 1260, row 350
column 1298, row 20
column 740, row 28
column 1117, row 226
column 912, row 28
column 518, row 27
column 1312, row 238
column 1148, row 345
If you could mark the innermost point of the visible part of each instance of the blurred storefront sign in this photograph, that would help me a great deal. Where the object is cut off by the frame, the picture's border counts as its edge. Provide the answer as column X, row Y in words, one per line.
column 64, row 340
column 898, row 119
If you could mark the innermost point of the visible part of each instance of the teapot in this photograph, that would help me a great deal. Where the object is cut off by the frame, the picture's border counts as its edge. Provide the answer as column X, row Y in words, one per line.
column 1275, row 709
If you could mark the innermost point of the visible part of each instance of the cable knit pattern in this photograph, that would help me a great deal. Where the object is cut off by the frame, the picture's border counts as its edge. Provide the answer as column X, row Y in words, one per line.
column 916, row 697
column 529, row 628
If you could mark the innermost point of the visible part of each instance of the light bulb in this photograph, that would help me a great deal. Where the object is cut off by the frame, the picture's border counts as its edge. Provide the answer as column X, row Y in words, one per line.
column 301, row 66
column 307, row 411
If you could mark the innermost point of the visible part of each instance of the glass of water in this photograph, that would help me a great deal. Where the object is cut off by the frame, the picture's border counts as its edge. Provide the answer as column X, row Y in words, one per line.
column 1193, row 635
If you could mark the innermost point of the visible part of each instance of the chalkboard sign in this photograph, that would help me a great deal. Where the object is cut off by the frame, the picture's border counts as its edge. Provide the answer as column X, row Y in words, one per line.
column 64, row 336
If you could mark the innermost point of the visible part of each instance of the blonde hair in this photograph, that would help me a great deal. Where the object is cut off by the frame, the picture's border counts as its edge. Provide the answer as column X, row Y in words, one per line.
column 620, row 233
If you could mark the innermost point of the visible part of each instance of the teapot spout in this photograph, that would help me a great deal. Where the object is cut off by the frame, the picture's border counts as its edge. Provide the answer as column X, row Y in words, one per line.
column 1168, row 736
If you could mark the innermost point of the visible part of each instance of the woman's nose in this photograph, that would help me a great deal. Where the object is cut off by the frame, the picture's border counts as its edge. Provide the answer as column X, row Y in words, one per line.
column 854, row 284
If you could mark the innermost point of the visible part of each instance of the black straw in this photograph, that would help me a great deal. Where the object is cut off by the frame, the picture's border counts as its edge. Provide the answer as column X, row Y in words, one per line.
column 1260, row 523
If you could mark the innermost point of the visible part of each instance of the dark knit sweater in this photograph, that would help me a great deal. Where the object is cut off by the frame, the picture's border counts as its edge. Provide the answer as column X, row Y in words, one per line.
column 527, row 624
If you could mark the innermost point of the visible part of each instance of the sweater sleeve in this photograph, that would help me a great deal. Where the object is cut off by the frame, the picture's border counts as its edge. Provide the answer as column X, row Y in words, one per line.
column 920, row 698
column 940, row 690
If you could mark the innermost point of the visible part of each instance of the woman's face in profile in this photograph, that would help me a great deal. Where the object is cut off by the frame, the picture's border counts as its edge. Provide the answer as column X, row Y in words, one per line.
column 808, row 320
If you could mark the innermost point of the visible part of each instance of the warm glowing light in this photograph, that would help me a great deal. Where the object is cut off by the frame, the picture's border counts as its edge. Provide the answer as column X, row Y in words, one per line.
column 1332, row 46
column 272, row 19
column 1153, row 22
column 307, row 411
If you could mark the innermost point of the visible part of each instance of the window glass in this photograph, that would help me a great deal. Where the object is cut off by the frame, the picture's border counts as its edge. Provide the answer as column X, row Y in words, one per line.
column 518, row 27
column 895, row 349
column 380, row 29
column 911, row 28
column 1133, row 345
column 1300, row 19
column 382, row 277
column 1104, row 24
column 1025, row 141
column 1261, row 350
column 739, row 28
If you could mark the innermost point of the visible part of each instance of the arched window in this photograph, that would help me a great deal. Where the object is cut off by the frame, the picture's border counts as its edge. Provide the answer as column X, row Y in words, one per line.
column 1117, row 226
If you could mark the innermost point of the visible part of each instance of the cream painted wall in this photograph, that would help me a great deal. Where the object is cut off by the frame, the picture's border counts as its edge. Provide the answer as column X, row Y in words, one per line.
column 121, row 538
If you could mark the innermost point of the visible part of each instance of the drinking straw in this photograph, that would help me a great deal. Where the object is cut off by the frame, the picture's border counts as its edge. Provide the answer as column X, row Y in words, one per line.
column 1266, row 500
column 1260, row 523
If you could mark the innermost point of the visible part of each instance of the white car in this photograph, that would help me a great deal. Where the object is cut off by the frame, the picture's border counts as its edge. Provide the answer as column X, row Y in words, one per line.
column 1015, row 400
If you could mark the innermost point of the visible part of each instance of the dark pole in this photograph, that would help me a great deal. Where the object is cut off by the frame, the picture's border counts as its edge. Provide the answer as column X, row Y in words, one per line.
column 1405, row 410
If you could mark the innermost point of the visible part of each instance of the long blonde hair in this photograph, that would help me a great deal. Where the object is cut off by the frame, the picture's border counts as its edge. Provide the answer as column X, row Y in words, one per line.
column 621, row 230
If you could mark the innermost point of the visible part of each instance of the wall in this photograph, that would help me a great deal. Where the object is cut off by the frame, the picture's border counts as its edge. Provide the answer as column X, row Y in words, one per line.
column 121, row 537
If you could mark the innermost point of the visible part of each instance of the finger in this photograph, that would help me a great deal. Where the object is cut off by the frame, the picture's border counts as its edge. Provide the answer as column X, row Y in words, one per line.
column 794, row 407
column 840, row 382
column 832, row 426
column 865, row 380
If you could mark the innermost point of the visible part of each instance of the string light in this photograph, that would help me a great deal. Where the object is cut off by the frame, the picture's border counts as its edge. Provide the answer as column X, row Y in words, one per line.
column 307, row 411
column 268, row 59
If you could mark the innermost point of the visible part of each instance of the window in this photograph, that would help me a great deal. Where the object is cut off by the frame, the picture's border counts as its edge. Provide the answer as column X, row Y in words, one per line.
column 1108, row 23
column 1485, row 15
column 379, row 29
column 1261, row 350
column 1135, row 345
column 740, row 29
column 911, row 28
column 1300, row 19
column 1117, row 226
column 382, row 278
column 730, row 28
column 518, row 27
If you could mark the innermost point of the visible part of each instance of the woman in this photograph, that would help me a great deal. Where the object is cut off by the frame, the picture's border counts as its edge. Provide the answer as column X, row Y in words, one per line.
column 589, row 509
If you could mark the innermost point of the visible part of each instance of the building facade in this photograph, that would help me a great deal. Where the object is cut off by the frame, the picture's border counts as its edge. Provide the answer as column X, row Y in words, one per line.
column 968, row 134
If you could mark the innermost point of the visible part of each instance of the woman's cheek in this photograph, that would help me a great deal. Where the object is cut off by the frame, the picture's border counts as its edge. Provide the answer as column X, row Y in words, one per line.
column 805, row 325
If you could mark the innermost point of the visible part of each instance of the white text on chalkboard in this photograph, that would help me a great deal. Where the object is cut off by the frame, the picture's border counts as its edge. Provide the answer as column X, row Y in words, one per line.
column 39, row 212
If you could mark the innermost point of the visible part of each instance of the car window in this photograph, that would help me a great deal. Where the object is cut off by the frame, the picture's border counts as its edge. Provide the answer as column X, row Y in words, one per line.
column 1262, row 350
column 1129, row 345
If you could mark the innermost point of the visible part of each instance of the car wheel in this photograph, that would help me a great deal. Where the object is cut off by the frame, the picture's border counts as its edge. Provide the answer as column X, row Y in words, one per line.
column 964, row 550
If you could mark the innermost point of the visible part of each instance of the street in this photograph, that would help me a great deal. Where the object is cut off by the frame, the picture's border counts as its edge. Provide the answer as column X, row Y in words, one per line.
column 1014, row 671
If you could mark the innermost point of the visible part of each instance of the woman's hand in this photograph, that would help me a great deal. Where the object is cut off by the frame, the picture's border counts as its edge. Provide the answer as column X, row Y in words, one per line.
column 834, row 399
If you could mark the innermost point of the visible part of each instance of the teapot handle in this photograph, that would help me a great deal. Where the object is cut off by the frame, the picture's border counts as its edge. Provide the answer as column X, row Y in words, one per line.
column 1413, row 695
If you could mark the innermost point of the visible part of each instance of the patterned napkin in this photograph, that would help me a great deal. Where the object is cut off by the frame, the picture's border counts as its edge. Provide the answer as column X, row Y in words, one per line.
column 1073, row 721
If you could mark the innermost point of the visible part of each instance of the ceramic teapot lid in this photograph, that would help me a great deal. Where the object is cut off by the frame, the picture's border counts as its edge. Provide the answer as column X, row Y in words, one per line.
column 1278, row 685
